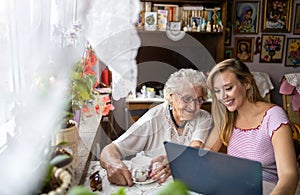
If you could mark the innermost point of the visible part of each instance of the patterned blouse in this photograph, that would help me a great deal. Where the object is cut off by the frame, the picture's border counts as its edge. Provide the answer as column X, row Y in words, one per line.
column 256, row 144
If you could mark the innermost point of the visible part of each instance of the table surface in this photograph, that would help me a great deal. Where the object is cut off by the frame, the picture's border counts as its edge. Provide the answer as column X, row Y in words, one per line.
column 138, row 189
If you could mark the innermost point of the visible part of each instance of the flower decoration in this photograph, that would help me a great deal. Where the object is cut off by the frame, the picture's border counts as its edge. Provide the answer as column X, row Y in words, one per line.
column 101, row 104
column 278, row 13
column 104, row 105
column 271, row 45
column 294, row 52
column 83, row 81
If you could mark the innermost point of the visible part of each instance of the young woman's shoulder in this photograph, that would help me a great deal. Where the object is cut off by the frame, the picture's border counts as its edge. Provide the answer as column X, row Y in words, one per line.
column 271, row 109
column 266, row 107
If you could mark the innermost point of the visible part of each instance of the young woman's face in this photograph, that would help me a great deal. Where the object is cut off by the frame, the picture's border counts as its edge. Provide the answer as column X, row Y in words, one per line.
column 187, row 103
column 229, row 90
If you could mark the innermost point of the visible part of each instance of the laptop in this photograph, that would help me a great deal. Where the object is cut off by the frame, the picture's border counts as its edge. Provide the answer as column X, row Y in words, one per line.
column 208, row 172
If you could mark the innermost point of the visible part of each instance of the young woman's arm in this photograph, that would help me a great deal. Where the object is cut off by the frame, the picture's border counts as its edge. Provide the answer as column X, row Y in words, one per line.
column 213, row 142
column 285, row 160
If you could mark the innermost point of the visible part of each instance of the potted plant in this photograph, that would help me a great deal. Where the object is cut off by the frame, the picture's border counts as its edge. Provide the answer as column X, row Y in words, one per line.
column 83, row 80
column 82, row 83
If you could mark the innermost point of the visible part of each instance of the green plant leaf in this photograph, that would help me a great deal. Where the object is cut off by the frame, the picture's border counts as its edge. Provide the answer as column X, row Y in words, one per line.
column 80, row 190
column 61, row 160
column 120, row 191
column 175, row 188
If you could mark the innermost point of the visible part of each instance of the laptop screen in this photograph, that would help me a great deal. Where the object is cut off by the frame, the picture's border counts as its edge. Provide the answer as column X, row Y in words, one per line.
column 208, row 172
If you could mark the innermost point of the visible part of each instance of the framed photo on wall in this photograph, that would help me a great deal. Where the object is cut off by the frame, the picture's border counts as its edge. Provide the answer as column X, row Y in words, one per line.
column 246, row 17
column 277, row 16
column 228, row 53
column 229, row 12
column 244, row 48
column 228, row 31
column 292, row 57
column 297, row 20
column 272, row 47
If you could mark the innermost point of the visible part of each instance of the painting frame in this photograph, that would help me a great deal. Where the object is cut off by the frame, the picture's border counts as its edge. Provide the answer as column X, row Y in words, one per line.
column 277, row 16
column 228, row 53
column 292, row 54
column 228, row 32
column 246, row 17
column 297, row 19
column 244, row 48
column 272, row 47
column 229, row 13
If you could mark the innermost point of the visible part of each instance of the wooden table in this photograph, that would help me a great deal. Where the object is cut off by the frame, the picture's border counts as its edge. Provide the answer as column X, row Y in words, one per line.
column 147, row 189
column 137, row 189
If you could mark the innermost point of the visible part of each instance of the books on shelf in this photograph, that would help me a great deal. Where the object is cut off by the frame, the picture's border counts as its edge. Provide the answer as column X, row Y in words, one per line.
column 193, row 8
column 162, row 19
column 173, row 10
column 150, row 21
column 160, row 16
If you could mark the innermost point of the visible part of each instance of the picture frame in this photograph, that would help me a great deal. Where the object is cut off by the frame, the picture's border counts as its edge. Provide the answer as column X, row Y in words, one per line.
column 228, row 53
column 292, row 56
column 197, row 21
column 246, row 17
column 272, row 46
column 277, row 16
column 229, row 13
column 297, row 19
column 244, row 48
column 228, row 32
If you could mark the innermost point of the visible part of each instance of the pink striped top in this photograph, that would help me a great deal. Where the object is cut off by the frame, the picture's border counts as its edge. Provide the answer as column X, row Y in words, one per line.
column 255, row 144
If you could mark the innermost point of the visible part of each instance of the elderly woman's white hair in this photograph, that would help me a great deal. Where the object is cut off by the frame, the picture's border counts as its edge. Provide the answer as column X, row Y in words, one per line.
column 185, row 78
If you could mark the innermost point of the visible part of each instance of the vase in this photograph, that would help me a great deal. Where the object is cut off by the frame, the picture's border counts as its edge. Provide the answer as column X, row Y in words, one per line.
column 271, row 54
column 70, row 137
column 77, row 117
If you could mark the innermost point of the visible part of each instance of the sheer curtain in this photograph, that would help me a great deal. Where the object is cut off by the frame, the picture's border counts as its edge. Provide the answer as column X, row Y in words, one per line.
column 32, row 84
column 39, row 43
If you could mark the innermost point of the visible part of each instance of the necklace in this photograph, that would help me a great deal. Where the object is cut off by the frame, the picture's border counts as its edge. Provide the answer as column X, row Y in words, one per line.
column 173, row 119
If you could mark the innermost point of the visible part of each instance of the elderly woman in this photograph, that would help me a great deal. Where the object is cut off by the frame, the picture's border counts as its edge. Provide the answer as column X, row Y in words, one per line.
column 179, row 119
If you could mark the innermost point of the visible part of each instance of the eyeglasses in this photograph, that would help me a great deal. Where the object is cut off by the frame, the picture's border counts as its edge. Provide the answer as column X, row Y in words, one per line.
column 188, row 99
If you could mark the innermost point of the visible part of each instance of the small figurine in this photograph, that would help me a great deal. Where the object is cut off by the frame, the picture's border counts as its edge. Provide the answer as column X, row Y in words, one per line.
column 203, row 25
column 194, row 28
column 208, row 27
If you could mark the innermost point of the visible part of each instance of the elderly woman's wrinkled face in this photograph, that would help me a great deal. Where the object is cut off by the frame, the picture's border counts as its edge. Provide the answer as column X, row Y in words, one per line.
column 187, row 103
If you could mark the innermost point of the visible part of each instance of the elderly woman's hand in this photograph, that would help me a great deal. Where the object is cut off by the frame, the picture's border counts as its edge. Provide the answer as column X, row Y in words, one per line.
column 161, row 170
column 119, row 174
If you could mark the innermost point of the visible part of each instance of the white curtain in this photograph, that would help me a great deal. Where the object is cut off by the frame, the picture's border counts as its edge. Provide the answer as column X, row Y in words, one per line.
column 39, row 42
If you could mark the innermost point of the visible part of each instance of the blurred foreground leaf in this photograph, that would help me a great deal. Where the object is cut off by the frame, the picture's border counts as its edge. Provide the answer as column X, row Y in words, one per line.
column 121, row 191
column 175, row 188
column 80, row 190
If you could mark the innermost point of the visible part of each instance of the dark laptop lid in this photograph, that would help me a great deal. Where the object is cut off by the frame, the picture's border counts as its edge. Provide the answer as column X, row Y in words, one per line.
column 214, row 173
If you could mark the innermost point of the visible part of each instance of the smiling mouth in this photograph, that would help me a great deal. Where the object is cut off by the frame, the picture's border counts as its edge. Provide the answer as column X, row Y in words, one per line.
column 228, row 102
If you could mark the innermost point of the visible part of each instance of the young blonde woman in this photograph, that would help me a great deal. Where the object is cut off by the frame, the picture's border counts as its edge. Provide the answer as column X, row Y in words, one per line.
column 250, row 127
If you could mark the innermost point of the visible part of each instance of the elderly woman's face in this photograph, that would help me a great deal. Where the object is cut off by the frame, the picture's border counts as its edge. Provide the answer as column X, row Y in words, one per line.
column 187, row 103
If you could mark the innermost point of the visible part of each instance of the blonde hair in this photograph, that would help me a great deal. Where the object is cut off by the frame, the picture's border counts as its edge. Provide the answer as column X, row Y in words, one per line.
column 224, row 120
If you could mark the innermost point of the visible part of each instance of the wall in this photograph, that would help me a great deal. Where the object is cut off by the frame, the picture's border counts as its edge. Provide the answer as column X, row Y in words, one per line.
column 275, row 70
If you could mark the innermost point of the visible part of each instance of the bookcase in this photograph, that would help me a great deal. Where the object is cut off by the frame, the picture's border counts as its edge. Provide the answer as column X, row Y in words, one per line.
column 184, row 12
